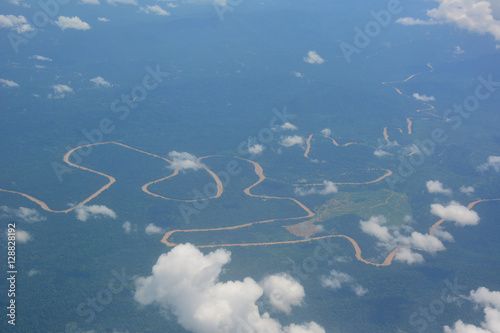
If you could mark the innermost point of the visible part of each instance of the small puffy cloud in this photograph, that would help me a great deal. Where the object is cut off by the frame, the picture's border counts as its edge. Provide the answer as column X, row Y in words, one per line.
column 423, row 98
column 313, row 58
column 22, row 236
column 283, row 292
column 467, row 189
column 17, row 23
column 425, row 242
column 127, row 227
column 329, row 188
column 408, row 256
column 444, row 235
column 184, row 161
column 297, row 74
column 152, row 229
column 326, row 131
column 90, row 2
column 74, row 22
column 490, row 302
column 33, row 272
column 359, row 290
column 337, row 280
column 186, row 281
column 123, row 2
column 103, row 19
column 41, row 58
column 374, row 228
column 288, row 126
column 206, row 2
column 8, row 83
column 413, row 21
column 493, row 162
column 484, row 297
column 455, row 212
column 289, row 141
column 405, row 238
column 471, row 15
column 60, row 91
column 256, row 149
column 155, row 9
column 29, row 215
column 302, row 191
column 380, row 153
column 83, row 213
column 100, row 82
column 458, row 50
column 435, row 186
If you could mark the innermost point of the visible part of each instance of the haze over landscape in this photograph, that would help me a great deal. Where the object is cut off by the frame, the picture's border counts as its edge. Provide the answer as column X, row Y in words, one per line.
column 250, row 166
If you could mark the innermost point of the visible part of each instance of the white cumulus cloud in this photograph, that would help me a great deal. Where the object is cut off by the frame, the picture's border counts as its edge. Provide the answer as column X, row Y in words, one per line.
column 404, row 237
column 100, row 82
column 329, row 188
column 60, row 90
column 374, row 228
column 186, row 281
column 8, row 83
column 455, row 212
column 127, row 227
column 408, row 256
column 155, row 9
column 313, row 58
column 380, row 153
column 103, row 19
column 29, row 215
column 413, row 21
column 83, row 213
column 283, row 292
column 288, row 126
column 74, row 22
column 326, row 131
column 471, row 15
column 493, row 162
column 256, row 149
column 22, row 236
column 423, row 98
column 184, row 161
column 41, row 58
column 467, row 189
column 90, row 2
column 152, row 229
column 289, row 141
column 435, row 186
column 490, row 302
column 123, row 2
column 17, row 23
column 336, row 280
